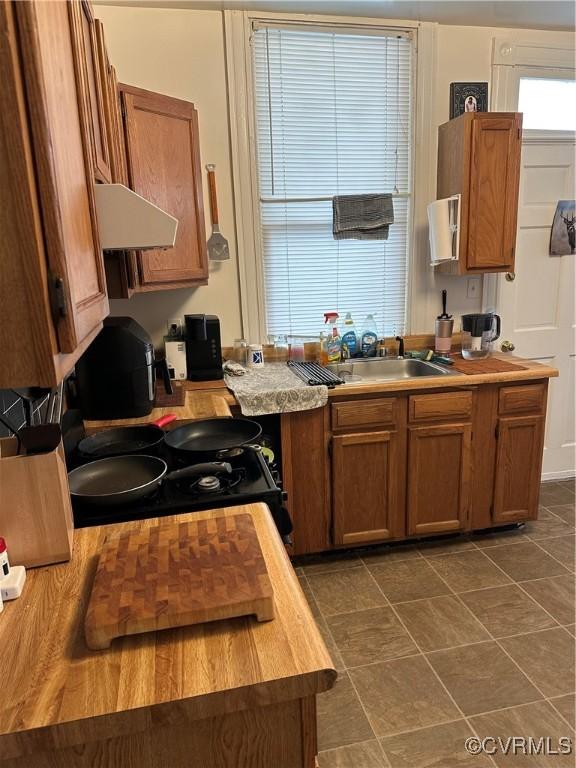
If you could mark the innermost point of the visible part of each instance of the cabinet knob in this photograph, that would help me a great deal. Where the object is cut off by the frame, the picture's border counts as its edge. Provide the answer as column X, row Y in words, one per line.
column 507, row 346
column 510, row 276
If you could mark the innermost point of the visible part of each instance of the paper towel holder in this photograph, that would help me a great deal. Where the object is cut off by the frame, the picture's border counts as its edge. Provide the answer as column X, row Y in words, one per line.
column 444, row 229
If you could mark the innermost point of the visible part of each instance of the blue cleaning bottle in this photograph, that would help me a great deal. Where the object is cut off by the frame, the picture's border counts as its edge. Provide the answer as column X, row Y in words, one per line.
column 350, row 337
column 369, row 337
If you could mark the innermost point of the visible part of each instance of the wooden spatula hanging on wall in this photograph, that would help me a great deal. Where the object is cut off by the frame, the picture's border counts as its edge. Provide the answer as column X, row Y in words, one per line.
column 217, row 244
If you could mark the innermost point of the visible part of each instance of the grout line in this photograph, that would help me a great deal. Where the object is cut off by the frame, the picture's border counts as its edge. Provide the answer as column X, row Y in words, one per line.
column 551, row 555
column 551, row 701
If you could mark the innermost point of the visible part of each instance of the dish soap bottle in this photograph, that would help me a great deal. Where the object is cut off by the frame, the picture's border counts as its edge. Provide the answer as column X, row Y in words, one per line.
column 333, row 339
column 349, row 337
column 369, row 337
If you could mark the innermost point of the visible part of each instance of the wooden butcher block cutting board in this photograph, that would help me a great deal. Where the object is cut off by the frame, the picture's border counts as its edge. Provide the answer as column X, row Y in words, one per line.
column 175, row 575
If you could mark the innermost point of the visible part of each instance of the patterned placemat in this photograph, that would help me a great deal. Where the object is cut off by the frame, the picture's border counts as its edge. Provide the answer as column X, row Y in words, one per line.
column 162, row 400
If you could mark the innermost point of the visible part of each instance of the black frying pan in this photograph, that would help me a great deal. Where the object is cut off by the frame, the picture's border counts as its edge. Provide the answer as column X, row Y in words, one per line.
column 124, row 479
column 123, row 440
column 208, row 436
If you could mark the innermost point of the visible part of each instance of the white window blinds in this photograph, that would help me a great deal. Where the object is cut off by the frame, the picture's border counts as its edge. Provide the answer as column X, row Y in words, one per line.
column 333, row 116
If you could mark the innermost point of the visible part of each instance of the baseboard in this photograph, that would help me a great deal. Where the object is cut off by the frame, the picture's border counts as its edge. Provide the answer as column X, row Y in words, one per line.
column 566, row 475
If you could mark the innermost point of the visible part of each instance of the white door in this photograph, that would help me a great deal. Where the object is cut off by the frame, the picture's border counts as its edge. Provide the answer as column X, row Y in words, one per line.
column 537, row 307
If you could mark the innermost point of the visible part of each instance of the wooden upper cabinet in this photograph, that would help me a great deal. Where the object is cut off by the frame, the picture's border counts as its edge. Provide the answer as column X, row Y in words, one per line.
column 89, row 73
column 438, row 482
column 163, row 158
column 53, row 291
column 479, row 158
column 368, row 476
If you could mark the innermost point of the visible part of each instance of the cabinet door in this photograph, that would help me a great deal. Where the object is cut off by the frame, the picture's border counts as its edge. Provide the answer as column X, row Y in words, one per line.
column 368, row 487
column 164, row 166
column 493, row 200
column 518, row 464
column 91, row 86
column 438, row 480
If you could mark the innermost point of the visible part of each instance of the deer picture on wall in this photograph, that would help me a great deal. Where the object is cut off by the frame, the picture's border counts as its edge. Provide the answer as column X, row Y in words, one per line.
column 563, row 235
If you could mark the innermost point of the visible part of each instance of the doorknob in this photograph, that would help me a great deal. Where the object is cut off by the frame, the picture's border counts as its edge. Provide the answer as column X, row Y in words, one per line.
column 507, row 346
column 510, row 276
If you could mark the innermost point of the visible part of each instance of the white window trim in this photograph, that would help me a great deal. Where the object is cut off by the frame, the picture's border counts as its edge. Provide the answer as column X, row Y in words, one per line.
column 511, row 61
column 238, row 26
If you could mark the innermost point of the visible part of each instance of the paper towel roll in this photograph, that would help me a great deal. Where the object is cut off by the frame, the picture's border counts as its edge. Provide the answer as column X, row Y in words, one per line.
column 444, row 221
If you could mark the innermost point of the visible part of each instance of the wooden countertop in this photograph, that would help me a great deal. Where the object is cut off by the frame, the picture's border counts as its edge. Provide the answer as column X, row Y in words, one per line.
column 530, row 371
column 198, row 404
column 56, row 693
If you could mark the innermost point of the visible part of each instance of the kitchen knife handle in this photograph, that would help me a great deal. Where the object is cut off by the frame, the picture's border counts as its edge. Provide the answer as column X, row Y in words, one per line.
column 212, row 189
column 207, row 468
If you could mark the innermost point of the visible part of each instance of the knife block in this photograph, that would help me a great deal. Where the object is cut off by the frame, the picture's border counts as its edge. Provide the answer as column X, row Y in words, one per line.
column 35, row 509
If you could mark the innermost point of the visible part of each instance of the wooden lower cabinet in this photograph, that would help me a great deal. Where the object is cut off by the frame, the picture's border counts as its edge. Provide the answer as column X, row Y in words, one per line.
column 368, row 476
column 438, row 478
column 519, row 444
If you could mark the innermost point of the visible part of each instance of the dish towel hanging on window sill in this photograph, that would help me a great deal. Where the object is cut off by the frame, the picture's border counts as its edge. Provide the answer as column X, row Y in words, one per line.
column 362, row 217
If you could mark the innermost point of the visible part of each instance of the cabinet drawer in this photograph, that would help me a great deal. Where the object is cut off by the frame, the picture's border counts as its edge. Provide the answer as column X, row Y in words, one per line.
column 443, row 405
column 529, row 397
column 364, row 413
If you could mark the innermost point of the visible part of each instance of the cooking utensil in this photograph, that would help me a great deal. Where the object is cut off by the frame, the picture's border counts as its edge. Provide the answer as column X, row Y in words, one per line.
column 218, row 249
column 122, row 440
column 444, row 315
column 208, row 436
column 124, row 479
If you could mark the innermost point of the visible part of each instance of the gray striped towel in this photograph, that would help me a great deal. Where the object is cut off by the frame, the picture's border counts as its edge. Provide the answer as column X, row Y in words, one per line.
column 362, row 217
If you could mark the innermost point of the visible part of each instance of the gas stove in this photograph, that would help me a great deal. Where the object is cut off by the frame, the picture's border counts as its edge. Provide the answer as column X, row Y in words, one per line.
column 249, row 479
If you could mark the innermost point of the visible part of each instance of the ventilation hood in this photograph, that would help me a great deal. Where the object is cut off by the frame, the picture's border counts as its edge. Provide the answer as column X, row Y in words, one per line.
column 128, row 221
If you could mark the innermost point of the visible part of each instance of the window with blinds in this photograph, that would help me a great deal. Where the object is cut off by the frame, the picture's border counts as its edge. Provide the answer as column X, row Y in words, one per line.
column 333, row 116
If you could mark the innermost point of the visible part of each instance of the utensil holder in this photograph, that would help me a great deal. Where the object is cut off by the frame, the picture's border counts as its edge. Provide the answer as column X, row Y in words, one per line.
column 35, row 509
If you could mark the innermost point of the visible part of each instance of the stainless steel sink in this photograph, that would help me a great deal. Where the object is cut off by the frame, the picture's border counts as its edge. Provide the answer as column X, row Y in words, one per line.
column 387, row 369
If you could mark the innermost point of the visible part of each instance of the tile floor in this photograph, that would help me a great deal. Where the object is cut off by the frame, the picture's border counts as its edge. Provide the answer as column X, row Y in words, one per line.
column 436, row 642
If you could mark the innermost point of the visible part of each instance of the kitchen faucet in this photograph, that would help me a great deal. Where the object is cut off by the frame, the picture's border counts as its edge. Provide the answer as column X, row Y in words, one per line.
column 400, row 341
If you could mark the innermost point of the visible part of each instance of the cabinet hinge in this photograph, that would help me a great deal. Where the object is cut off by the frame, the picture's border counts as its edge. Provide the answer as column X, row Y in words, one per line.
column 58, row 300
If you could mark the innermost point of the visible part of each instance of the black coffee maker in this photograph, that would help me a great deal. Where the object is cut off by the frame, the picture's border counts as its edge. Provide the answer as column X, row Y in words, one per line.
column 116, row 375
column 203, row 347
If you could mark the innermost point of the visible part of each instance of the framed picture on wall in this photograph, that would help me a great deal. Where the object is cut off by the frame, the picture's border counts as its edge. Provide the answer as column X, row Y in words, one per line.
column 468, row 97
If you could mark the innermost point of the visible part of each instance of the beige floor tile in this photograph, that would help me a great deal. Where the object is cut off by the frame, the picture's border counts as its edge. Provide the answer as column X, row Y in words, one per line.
column 446, row 546
column 547, row 658
column 569, row 483
column 553, row 494
column 402, row 695
column 341, row 719
column 351, row 589
column 364, row 637
column 525, row 561
column 563, row 548
column 571, row 628
column 303, row 581
column 365, row 755
column 482, row 678
column 468, row 570
column 390, row 554
column 507, row 610
column 566, row 705
column 547, row 525
column 498, row 537
column 330, row 644
column 442, row 746
column 440, row 622
column 327, row 561
column 408, row 580
column 566, row 512
column 537, row 720
column 556, row 594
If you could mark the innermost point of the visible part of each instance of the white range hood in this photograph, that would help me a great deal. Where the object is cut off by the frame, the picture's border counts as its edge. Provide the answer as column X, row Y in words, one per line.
column 127, row 221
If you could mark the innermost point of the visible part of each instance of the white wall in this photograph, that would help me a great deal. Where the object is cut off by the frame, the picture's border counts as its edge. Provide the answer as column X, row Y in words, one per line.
column 181, row 53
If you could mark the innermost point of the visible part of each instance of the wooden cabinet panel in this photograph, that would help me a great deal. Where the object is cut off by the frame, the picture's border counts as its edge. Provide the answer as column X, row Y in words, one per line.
column 364, row 413
column 518, row 466
column 441, row 405
column 438, row 483
column 163, row 157
column 529, row 397
column 63, row 170
column 92, row 87
column 368, row 471
column 479, row 158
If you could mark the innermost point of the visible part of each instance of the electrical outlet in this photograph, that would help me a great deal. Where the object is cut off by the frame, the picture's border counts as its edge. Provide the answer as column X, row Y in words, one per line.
column 174, row 326
column 473, row 288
